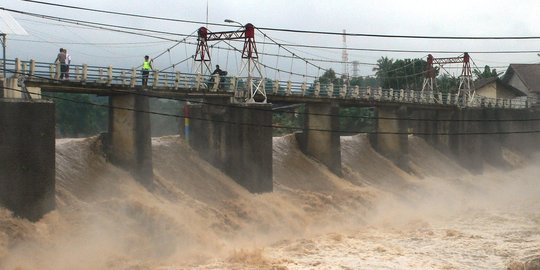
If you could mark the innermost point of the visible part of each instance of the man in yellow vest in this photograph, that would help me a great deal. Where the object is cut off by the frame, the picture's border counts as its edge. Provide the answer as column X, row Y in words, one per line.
column 147, row 66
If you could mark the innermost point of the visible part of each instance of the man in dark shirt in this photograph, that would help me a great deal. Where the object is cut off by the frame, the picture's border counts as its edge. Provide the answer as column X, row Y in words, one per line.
column 217, row 71
column 61, row 58
column 221, row 74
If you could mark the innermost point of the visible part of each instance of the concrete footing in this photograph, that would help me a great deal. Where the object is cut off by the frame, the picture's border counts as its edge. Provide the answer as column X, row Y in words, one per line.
column 391, row 139
column 432, row 126
column 466, row 139
column 518, row 130
column 478, row 135
column 237, row 139
column 128, row 143
column 27, row 157
column 320, row 137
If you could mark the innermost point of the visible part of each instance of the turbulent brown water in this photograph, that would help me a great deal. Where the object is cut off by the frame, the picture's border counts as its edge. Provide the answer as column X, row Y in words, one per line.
column 375, row 217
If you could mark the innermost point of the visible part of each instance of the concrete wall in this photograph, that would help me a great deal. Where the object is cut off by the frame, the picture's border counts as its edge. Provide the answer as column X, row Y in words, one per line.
column 493, row 129
column 518, row 126
column 27, row 159
column 249, row 147
column 209, row 137
column 446, row 131
column 391, row 139
column 432, row 126
column 12, row 83
column 128, row 143
column 237, row 139
column 317, row 140
column 492, row 140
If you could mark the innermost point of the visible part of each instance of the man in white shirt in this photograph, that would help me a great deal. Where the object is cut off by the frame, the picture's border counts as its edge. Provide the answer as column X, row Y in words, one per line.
column 68, row 61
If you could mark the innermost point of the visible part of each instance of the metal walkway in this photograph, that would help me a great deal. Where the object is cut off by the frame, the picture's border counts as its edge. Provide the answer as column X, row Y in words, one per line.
column 106, row 80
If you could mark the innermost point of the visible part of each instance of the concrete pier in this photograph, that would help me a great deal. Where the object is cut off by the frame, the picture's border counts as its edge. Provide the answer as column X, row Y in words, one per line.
column 477, row 136
column 433, row 126
column 128, row 143
column 519, row 131
column 492, row 141
column 27, row 159
column 391, row 139
column 466, row 139
column 237, row 139
column 320, row 137
column 249, row 147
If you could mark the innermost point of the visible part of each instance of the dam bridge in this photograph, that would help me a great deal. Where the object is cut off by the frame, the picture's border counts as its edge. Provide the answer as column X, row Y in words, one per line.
column 229, row 121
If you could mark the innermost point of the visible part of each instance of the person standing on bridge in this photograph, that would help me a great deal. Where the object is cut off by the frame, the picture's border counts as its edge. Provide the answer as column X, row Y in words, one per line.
column 147, row 66
column 68, row 62
column 61, row 58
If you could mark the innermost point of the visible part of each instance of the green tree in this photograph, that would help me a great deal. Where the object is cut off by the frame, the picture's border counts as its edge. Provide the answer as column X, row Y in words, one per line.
column 487, row 73
column 164, row 123
column 356, row 119
column 288, row 118
column 329, row 76
column 447, row 83
column 77, row 117
column 383, row 71
column 401, row 73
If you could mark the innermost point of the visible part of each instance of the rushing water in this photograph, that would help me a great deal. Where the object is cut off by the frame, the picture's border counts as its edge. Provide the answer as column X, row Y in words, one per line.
column 374, row 217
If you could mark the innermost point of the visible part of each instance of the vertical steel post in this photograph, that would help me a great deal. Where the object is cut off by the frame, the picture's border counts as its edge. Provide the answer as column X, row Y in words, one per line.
column 3, row 62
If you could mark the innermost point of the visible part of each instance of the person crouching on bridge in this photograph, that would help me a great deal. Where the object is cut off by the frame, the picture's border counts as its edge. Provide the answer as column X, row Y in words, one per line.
column 147, row 66
column 221, row 74
column 61, row 58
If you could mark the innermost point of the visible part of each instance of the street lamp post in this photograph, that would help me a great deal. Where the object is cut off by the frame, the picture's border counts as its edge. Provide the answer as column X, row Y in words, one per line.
column 232, row 21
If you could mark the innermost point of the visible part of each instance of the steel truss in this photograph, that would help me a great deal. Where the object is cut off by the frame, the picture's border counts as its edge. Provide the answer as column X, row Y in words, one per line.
column 250, row 65
column 466, row 85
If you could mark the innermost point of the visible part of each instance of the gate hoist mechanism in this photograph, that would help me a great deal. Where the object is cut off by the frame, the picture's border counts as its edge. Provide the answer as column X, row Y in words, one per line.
column 465, row 88
column 255, row 79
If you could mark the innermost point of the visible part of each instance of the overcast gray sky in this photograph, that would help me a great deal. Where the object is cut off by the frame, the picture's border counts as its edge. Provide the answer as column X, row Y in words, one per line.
column 429, row 18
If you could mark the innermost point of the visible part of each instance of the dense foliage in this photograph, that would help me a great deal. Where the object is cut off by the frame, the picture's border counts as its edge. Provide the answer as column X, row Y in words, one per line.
column 401, row 73
column 79, row 115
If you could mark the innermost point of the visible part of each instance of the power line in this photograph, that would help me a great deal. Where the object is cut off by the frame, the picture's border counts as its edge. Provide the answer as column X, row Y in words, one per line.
column 92, row 43
column 125, row 14
column 101, row 26
column 292, row 53
column 327, row 60
column 400, row 36
column 296, row 30
column 172, row 47
column 408, row 51
column 276, row 69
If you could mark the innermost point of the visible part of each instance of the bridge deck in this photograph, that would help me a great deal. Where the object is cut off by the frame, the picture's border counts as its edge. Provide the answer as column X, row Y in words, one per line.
column 113, row 81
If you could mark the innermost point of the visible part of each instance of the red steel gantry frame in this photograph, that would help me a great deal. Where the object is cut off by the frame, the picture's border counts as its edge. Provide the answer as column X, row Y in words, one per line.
column 249, row 53
column 465, row 88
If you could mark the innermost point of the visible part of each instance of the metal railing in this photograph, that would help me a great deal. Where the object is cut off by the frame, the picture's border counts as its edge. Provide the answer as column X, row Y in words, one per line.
column 177, row 81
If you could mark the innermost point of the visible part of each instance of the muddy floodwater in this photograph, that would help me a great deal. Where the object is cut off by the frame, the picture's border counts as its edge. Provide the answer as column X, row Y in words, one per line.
column 437, row 216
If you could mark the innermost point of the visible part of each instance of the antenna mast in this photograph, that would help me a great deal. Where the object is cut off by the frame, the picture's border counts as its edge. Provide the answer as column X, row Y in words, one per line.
column 345, row 59
column 355, row 70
